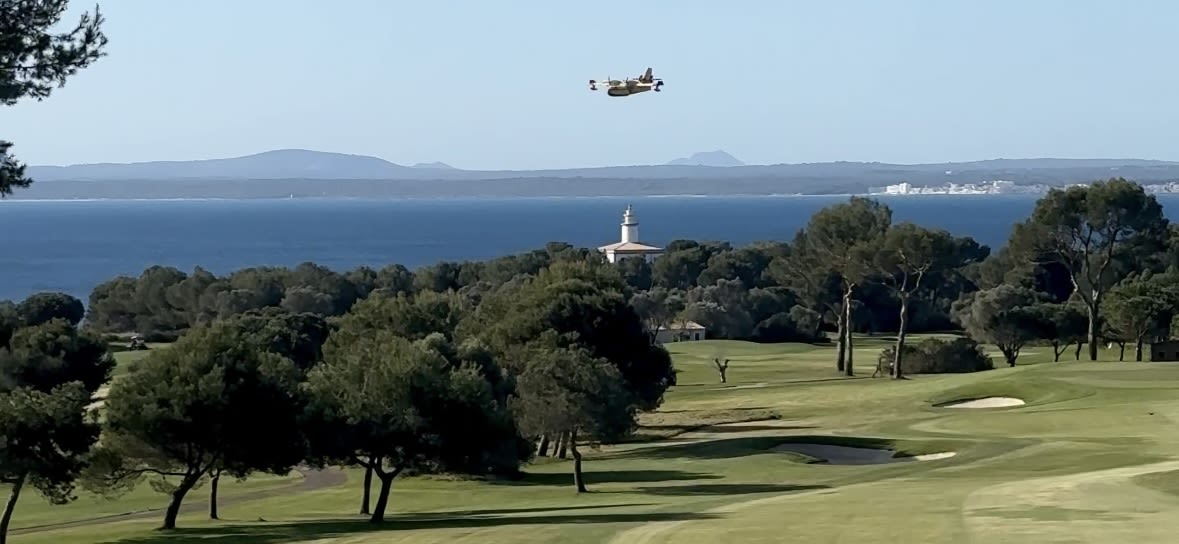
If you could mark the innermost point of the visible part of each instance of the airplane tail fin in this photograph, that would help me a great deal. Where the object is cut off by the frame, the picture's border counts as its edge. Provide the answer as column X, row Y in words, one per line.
column 647, row 76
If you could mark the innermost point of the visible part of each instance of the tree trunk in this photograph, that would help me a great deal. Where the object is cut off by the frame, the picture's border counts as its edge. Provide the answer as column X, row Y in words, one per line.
column 848, row 356
column 841, row 347
column 1121, row 351
column 213, row 495
column 1091, row 337
column 543, row 449
column 173, row 510
column 564, row 441
column 1138, row 350
column 386, row 478
column 1057, row 351
column 1010, row 355
column 9, row 507
column 578, row 479
column 897, row 372
column 1077, row 353
column 368, row 488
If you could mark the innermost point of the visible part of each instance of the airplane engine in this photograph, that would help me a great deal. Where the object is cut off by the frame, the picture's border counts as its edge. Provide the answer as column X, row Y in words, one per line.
column 593, row 85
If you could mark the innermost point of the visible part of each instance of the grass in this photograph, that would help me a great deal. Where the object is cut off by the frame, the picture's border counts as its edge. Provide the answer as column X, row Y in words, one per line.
column 1091, row 457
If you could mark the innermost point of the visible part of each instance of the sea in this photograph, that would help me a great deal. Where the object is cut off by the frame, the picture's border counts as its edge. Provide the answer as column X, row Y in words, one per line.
column 72, row 246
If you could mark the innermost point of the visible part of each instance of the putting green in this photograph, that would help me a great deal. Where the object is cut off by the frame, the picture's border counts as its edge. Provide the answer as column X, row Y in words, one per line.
column 1091, row 456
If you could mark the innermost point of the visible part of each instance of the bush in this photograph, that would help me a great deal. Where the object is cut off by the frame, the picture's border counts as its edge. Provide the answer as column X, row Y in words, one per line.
column 936, row 356
column 161, row 337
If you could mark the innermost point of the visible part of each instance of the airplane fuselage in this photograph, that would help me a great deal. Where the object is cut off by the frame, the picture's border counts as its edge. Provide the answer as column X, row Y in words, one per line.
column 627, row 90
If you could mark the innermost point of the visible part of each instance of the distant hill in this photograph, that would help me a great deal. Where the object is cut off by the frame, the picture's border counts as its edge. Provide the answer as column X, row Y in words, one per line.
column 279, row 164
column 708, row 158
column 313, row 173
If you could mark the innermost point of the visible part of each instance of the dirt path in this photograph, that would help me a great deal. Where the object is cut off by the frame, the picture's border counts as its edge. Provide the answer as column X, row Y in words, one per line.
column 312, row 480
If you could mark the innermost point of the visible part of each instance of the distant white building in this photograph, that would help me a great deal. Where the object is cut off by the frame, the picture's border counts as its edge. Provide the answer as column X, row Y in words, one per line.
column 629, row 246
column 680, row 331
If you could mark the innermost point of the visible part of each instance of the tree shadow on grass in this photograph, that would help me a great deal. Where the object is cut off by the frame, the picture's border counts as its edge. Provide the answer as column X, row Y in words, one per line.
column 605, row 476
column 729, row 448
column 317, row 530
column 727, row 489
column 725, row 448
column 727, row 428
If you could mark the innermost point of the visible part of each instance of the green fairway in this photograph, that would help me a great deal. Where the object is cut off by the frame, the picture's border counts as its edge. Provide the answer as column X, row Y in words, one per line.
column 1091, row 457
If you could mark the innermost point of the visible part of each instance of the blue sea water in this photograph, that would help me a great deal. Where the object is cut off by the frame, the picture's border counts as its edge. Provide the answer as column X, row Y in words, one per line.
column 72, row 246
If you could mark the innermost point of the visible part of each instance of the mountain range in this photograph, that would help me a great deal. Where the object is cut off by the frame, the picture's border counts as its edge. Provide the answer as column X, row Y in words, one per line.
column 300, row 172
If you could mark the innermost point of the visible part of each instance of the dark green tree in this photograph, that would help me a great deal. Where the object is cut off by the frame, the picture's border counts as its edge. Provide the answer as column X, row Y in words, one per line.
column 1098, row 233
column 1140, row 308
column 45, row 437
column 568, row 392
column 387, row 404
column 1007, row 316
column 48, row 374
column 34, row 61
column 904, row 258
column 831, row 246
column 40, row 308
column 212, row 401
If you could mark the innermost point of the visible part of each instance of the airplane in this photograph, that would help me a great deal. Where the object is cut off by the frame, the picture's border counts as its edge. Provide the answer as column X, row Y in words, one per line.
column 643, row 83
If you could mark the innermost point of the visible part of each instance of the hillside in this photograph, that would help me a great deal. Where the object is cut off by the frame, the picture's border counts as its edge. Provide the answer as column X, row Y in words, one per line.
column 299, row 172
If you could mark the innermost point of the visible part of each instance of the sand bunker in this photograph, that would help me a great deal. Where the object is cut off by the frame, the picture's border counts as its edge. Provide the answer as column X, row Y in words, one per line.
column 846, row 455
column 989, row 402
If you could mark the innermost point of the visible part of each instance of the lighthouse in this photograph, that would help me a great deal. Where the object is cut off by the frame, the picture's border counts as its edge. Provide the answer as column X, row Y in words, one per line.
column 629, row 245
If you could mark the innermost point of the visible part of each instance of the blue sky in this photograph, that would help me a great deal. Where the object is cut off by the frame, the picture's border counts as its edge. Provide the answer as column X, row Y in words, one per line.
column 492, row 85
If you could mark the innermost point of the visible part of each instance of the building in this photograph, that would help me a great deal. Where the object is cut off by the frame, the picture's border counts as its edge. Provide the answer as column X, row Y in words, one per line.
column 1167, row 350
column 680, row 331
column 629, row 246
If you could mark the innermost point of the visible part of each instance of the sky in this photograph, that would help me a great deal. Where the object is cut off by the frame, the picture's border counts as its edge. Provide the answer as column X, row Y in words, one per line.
column 504, row 85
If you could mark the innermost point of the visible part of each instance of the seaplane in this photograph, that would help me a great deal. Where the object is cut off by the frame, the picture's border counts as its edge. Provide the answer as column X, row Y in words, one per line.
column 616, row 87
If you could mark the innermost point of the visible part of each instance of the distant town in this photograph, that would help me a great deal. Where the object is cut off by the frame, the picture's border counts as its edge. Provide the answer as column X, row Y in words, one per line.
column 996, row 187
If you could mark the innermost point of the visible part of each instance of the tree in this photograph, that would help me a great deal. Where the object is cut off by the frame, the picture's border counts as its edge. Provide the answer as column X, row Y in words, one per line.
column 40, row 308
column 52, row 354
column 657, row 308
column 569, row 392
column 583, row 303
column 1098, row 233
column 48, row 374
column 1139, row 308
column 387, row 404
column 1063, row 325
column 34, row 61
column 1006, row 316
column 904, row 257
column 44, row 440
column 722, row 367
column 213, row 400
column 829, row 248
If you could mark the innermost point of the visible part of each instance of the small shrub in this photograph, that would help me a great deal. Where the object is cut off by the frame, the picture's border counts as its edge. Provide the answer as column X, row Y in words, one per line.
column 936, row 356
column 161, row 337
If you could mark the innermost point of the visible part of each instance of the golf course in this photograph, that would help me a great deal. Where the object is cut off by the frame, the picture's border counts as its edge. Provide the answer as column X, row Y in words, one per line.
column 785, row 451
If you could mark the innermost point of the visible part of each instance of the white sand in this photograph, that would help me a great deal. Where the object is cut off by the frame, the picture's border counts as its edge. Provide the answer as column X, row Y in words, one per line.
column 989, row 402
column 845, row 455
column 935, row 456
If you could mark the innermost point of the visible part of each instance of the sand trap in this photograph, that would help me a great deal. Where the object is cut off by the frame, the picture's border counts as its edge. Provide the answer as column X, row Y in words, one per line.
column 845, row 455
column 989, row 402
column 934, row 456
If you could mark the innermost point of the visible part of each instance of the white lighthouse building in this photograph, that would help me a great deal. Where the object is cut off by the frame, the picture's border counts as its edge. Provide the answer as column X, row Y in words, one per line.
column 629, row 246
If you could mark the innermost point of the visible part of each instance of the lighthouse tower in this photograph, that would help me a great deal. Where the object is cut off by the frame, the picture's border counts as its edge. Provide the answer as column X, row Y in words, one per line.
column 630, row 246
column 630, row 226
